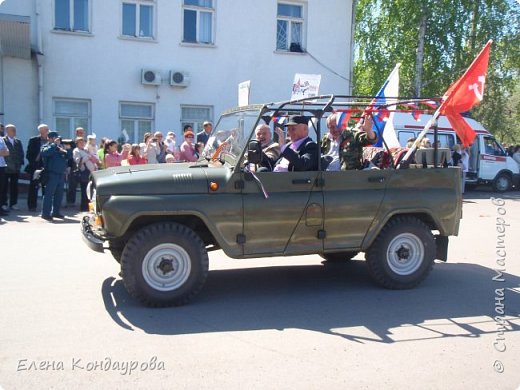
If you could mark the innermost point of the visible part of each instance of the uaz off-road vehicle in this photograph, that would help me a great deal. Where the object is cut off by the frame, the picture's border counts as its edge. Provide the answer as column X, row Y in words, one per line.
column 160, row 221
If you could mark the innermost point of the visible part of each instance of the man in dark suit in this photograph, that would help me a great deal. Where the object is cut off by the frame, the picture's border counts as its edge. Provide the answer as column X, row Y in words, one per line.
column 301, row 154
column 12, row 172
column 35, row 162
column 203, row 136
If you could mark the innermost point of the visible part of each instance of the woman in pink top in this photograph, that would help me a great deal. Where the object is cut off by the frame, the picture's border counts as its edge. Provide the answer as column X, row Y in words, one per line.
column 135, row 158
column 112, row 157
column 187, row 148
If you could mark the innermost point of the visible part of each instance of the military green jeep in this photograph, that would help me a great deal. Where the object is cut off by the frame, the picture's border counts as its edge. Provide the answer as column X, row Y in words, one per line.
column 160, row 221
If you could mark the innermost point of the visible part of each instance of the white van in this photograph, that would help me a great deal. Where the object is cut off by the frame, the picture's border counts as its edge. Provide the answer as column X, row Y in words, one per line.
column 489, row 163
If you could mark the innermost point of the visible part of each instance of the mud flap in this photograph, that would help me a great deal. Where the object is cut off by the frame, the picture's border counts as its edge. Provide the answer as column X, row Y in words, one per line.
column 441, row 242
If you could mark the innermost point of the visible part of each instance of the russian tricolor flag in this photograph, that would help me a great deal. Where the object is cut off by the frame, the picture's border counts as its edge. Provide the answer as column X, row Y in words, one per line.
column 342, row 119
column 384, row 117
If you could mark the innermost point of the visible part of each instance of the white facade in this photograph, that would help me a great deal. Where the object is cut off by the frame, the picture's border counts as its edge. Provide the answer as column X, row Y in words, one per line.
column 93, row 78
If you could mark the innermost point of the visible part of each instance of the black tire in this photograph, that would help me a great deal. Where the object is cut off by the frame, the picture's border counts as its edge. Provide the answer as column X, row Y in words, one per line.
column 502, row 183
column 338, row 257
column 164, row 264
column 116, row 254
column 116, row 249
column 402, row 255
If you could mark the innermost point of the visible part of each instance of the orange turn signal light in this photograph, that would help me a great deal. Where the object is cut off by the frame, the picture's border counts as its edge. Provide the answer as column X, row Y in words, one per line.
column 99, row 220
column 213, row 186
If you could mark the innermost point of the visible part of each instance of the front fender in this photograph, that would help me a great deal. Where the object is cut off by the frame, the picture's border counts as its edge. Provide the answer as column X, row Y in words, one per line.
column 221, row 214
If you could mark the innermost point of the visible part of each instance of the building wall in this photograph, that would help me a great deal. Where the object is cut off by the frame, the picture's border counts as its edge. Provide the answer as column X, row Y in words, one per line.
column 105, row 68
column 20, row 96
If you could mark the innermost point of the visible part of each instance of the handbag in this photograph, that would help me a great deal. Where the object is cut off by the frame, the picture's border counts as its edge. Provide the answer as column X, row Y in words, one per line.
column 82, row 176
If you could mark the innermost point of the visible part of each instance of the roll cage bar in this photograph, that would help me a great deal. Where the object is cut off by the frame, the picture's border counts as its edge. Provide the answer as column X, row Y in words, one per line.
column 317, row 106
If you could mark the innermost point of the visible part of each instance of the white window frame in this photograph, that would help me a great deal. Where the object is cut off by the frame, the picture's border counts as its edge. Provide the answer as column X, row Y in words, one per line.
column 135, row 137
column 198, row 10
column 72, row 117
column 196, row 123
column 71, row 18
column 291, row 20
column 138, row 3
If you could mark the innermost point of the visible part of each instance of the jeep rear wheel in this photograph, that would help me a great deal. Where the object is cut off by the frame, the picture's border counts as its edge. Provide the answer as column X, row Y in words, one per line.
column 164, row 264
column 402, row 255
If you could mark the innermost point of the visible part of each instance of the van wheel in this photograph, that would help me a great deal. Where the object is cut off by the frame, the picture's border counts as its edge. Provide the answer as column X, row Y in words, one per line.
column 164, row 264
column 402, row 255
column 502, row 183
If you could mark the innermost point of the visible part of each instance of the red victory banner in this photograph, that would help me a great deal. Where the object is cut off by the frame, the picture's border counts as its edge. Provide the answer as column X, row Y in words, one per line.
column 464, row 93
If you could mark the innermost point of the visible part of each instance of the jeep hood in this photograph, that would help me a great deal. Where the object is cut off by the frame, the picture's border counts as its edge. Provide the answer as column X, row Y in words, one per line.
column 155, row 179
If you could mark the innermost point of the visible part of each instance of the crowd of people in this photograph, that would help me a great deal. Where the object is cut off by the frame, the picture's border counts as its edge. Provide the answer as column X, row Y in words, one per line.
column 53, row 162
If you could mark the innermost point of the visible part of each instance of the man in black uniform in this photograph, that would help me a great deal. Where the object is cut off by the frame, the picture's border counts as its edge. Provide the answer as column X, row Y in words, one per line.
column 35, row 162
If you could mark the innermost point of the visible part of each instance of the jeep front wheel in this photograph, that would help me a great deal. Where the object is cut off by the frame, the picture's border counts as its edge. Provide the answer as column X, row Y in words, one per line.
column 164, row 264
column 402, row 255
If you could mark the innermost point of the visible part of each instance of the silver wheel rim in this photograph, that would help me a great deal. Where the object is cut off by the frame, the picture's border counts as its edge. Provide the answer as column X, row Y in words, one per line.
column 502, row 183
column 166, row 267
column 405, row 254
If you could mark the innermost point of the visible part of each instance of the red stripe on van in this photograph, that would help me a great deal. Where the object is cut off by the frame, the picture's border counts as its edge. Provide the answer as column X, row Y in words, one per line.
column 488, row 157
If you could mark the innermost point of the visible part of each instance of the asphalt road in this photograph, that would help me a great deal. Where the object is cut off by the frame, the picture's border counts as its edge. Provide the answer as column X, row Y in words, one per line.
column 66, row 320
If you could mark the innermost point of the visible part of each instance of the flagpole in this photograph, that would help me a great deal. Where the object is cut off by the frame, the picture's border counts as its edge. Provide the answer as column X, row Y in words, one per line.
column 420, row 137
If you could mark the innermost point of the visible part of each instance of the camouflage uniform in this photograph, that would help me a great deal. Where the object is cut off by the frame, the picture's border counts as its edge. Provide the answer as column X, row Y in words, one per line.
column 351, row 143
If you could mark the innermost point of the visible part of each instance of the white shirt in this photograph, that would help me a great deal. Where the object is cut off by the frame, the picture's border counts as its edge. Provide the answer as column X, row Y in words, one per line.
column 283, row 165
column 465, row 161
column 334, row 153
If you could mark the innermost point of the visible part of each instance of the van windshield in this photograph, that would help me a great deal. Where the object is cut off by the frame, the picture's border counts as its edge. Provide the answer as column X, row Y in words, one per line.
column 491, row 146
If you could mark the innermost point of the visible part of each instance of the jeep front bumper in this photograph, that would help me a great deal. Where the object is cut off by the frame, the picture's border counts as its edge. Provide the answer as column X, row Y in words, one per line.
column 92, row 240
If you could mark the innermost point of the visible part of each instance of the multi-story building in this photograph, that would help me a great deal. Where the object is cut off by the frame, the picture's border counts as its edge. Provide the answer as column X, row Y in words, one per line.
column 145, row 65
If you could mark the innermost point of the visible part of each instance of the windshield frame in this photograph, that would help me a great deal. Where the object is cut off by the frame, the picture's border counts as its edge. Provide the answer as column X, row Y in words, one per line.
column 225, row 157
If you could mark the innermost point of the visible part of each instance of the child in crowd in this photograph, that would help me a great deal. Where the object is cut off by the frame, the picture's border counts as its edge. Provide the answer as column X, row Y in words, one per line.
column 92, row 150
column 101, row 152
column 112, row 157
column 134, row 157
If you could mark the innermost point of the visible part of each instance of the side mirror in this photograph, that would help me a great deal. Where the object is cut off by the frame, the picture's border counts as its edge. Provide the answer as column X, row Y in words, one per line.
column 254, row 152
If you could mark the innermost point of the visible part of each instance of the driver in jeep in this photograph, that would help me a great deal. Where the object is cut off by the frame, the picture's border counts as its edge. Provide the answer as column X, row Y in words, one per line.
column 301, row 154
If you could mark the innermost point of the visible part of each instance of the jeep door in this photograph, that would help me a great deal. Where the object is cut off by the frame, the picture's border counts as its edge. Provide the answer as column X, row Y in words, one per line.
column 289, row 220
column 351, row 201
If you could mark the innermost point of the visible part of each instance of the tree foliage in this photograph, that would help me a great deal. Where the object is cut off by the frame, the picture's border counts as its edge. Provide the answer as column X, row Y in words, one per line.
column 389, row 31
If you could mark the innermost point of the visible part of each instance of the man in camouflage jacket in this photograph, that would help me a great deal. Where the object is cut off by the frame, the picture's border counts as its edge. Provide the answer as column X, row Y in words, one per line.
column 350, row 142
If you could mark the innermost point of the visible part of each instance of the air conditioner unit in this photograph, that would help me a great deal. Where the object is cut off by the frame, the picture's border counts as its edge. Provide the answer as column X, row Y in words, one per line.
column 179, row 78
column 150, row 77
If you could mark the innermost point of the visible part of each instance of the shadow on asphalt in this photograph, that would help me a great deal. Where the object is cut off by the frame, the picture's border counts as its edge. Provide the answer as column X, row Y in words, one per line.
column 328, row 299
column 483, row 192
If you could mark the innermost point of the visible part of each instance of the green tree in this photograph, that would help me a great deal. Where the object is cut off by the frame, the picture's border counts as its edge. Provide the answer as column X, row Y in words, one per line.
column 436, row 40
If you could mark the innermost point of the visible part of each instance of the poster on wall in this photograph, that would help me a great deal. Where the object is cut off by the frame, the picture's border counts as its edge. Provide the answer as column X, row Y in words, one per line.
column 243, row 93
column 305, row 85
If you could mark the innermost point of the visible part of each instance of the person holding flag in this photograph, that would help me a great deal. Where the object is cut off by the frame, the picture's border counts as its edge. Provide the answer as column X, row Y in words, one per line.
column 346, row 147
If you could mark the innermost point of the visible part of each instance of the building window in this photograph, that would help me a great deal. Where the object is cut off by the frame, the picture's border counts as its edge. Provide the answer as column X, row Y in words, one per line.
column 138, row 18
column 195, row 116
column 289, row 27
column 198, row 21
column 136, row 119
column 69, row 114
column 71, row 15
